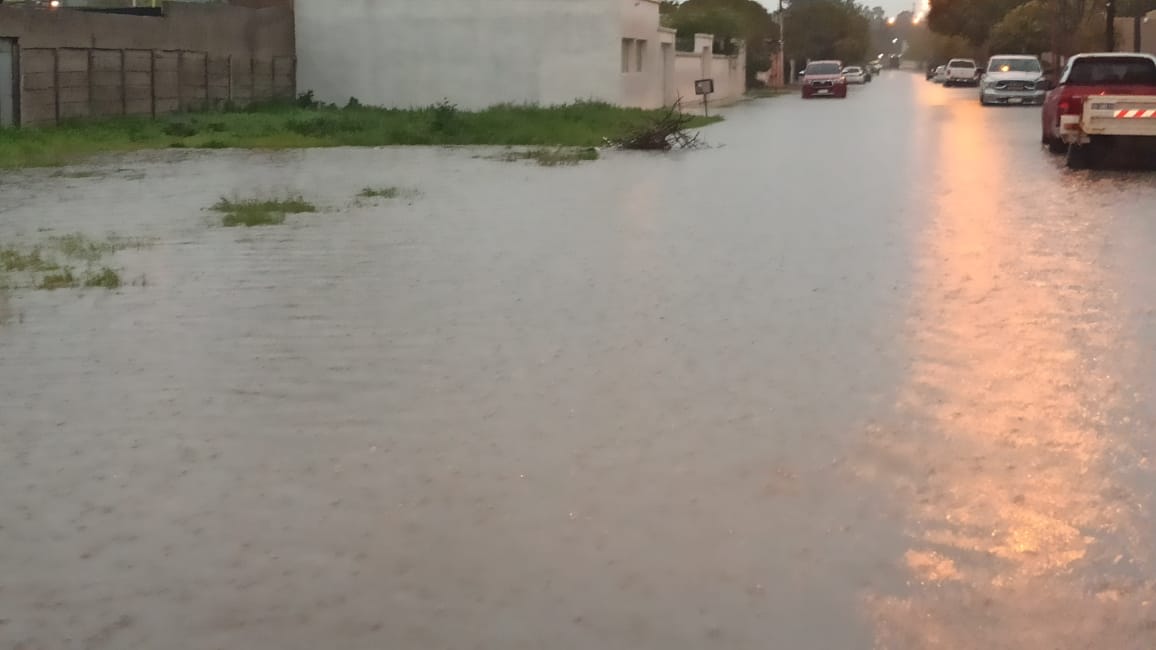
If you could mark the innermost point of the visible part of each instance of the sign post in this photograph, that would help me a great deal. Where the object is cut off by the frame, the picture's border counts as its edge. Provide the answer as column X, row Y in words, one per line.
column 704, row 87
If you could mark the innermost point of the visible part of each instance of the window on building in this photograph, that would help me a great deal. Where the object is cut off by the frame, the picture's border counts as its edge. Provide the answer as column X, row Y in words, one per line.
column 640, row 56
column 627, row 51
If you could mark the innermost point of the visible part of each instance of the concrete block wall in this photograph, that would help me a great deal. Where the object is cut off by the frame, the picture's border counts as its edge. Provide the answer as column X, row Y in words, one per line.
column 75, row 64
column 70, row 83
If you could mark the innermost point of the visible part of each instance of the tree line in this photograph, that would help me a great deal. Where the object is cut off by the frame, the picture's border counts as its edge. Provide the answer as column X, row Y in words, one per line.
column 815, row 29
column 979, row 27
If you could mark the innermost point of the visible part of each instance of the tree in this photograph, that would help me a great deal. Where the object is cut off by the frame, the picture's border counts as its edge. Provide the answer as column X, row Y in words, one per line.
column 971, row 19
column 827, row 29
column 731, row 20
column 1024, row 30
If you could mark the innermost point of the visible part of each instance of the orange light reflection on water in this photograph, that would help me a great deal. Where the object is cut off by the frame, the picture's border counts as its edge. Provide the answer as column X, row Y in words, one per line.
column 998, row 446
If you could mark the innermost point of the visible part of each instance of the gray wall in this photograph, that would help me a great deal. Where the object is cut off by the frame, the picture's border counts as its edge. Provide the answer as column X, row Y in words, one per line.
column 79, row 64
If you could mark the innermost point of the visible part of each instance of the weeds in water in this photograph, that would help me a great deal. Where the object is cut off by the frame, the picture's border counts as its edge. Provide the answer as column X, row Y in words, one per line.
column 52, row 264
column 32, row 261
column 552, row 157
column 105, row 278
column 260, row 212
column 62, row 279
column 380, row 193
column 81, row 247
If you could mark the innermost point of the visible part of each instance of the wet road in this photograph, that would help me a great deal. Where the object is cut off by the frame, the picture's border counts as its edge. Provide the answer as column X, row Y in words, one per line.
column 872, row 373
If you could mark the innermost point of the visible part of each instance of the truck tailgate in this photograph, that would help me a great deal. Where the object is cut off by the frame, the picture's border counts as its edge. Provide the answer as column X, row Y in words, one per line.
column 1119, row 115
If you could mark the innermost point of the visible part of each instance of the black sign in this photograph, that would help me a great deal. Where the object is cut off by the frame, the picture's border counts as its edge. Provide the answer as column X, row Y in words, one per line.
column 704, row 87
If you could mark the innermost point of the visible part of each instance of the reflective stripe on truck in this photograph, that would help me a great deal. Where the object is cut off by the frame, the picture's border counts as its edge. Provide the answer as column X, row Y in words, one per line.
column 1135, row 112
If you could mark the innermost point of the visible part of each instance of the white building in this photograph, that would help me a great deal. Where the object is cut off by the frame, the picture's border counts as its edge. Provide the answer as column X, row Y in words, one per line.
column 477, row 53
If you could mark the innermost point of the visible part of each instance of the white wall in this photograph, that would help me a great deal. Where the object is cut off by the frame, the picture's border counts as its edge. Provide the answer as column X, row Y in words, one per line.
column 475, row 53
column 644, row 88
column 728, row 72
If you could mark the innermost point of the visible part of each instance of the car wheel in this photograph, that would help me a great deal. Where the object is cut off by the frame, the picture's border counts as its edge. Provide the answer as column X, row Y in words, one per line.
column 1079, row 156
column 983, row 100
column 1055, row 145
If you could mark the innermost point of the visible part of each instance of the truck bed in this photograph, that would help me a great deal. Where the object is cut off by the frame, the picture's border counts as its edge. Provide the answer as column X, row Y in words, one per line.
column 1123, row 115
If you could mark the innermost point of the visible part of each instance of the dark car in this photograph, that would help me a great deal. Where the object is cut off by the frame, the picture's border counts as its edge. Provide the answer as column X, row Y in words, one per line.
column 824, row 79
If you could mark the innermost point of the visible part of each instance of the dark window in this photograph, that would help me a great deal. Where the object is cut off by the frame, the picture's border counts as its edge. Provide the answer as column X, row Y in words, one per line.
column 823, row 68
column 1112, row 70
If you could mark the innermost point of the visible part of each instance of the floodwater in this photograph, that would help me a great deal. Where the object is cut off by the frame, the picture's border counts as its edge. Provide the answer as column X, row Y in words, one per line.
column 872, row 373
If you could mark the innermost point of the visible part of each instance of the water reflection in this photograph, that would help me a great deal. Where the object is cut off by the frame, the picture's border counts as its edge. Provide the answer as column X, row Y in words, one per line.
column 1020, row 537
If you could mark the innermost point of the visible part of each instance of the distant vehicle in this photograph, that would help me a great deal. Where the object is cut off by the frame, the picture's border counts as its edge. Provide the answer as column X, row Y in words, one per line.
column 961, row 72
column 1104, row 103
column 1013, row 79
column 876, row 67
column 854, row 75
column 824, row 79
column 930, row 71
column 940, row 75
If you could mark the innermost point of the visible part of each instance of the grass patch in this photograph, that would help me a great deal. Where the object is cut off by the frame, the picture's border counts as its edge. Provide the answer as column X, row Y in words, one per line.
column 552, row 157
column 583, row 124
column 53, row 264
column 31, row 261
column 81, row 247
column 380, row 193
column 105, row 278
column 260, row 212
column 62, row 279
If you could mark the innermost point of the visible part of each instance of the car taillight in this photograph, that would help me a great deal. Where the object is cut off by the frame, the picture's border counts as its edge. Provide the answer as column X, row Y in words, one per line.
column 1071, row 105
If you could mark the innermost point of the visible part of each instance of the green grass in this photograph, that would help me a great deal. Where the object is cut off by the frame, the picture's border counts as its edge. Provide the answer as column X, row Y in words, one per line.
column 260, row 212
column 584, row 124
column 104, row 278
column 52, row 264
column 13, row 259
column 62, row 279
column 380, row 193
column 81, row 247
column 553, row 157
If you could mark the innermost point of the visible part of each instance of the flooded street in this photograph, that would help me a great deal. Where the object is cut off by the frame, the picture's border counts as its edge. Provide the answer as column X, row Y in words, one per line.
column 872, row 373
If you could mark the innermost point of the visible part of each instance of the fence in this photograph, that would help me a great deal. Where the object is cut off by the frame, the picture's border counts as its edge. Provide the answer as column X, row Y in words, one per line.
column 65, row 83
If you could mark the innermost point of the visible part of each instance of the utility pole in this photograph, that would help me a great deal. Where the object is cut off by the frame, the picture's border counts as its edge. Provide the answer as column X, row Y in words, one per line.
column 1110, row 32
column 783, row 45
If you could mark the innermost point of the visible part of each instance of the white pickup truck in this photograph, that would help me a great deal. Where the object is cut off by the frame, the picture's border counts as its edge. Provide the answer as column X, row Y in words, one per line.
column 1105, row 105
column 961, row 72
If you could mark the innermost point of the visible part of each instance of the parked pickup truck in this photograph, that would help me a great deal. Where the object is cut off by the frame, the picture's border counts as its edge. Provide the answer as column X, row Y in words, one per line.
column 961, row 72
column 1104, row 105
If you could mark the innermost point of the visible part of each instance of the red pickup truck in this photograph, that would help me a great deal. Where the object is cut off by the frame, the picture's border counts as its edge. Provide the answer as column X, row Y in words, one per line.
column 1103, row 102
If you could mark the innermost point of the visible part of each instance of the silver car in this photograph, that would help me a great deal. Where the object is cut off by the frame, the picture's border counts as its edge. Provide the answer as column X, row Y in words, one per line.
column 1013, row 79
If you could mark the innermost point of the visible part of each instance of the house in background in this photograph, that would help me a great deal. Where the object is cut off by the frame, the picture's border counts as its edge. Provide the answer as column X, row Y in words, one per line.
column 478, row 53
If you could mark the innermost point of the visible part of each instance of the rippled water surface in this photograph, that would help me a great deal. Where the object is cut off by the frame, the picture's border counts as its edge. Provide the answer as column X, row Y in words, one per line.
column 873, row 373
